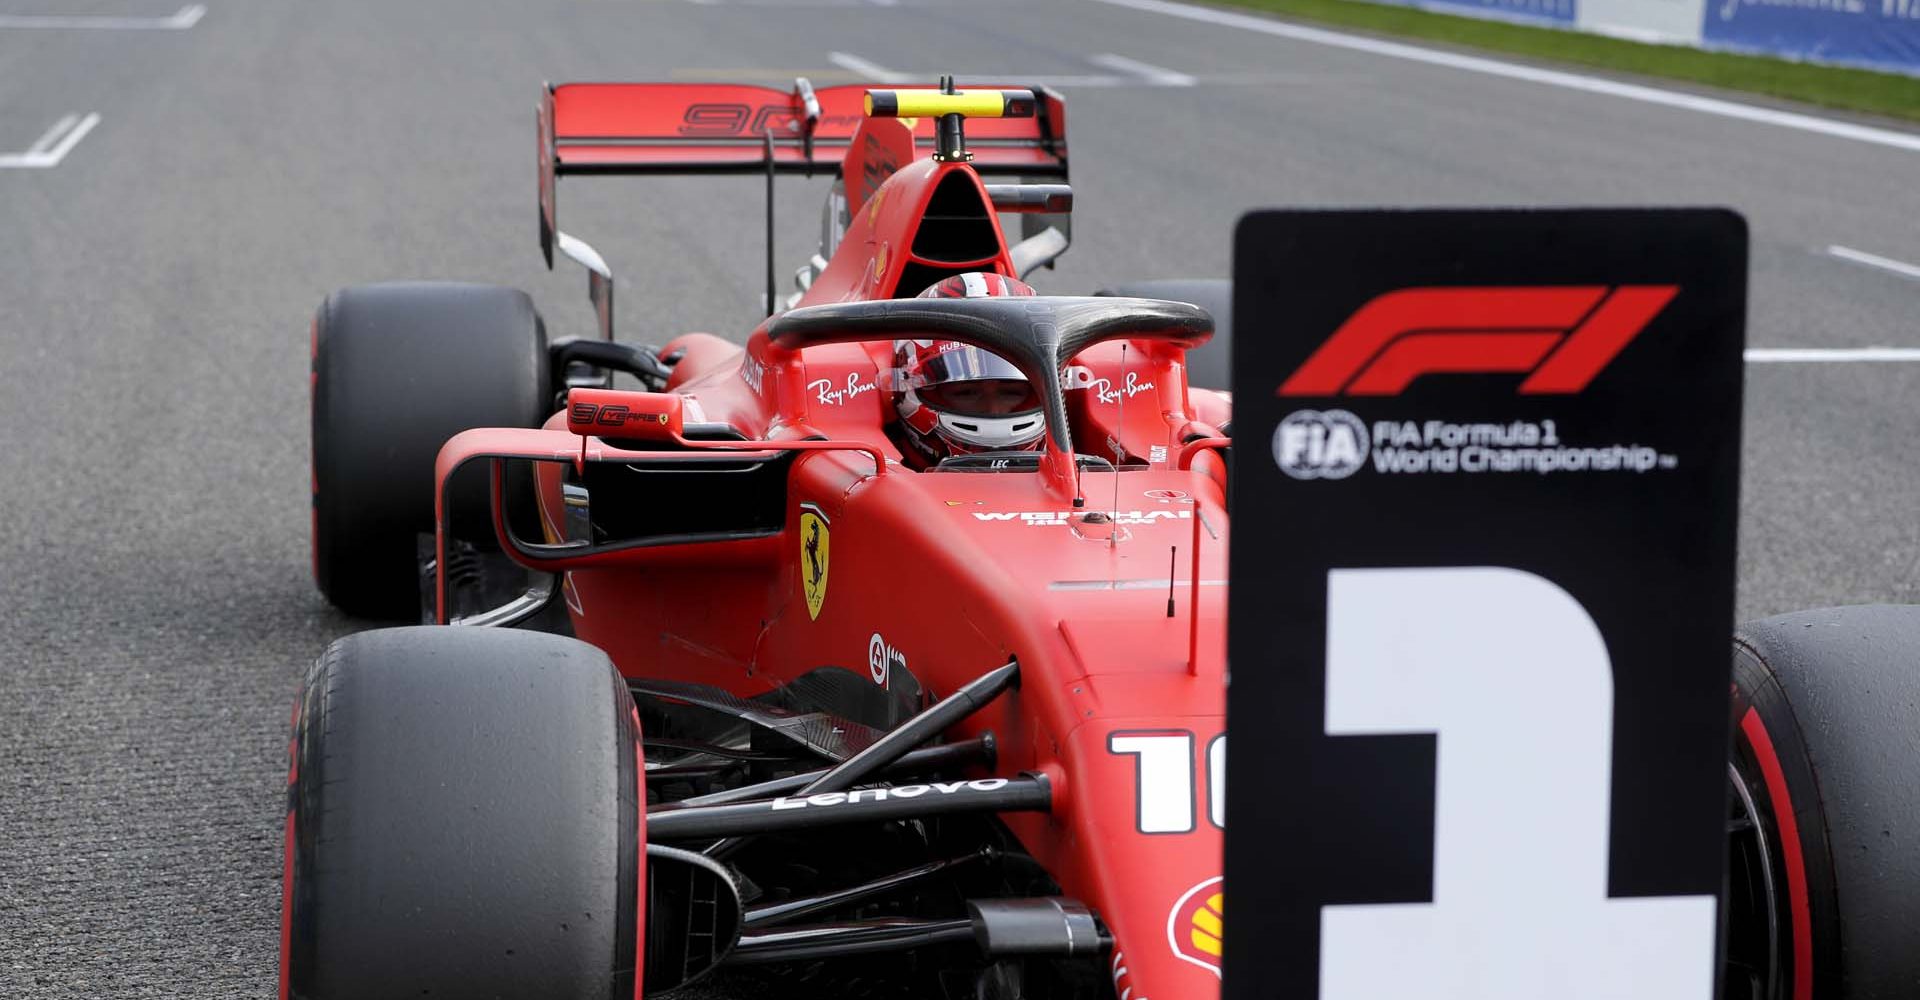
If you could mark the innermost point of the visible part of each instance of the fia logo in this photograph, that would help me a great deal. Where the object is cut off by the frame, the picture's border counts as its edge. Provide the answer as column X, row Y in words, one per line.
column 1320, row 444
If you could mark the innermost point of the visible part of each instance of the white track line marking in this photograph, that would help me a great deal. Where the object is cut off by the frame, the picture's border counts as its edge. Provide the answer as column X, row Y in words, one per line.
column 880, row 74
column 186, row 17
column 1139, row 74
column 52, row 147
column 1157, row 75
column 1078, row 81
column 52, row 135
column 872, row 71
column 1829, row 355
column 1532, row 74
column 1874, row 260
column 59, row 152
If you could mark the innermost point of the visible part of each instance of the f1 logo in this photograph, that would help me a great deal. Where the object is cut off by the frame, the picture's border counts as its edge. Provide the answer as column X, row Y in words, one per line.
column 1562, row 336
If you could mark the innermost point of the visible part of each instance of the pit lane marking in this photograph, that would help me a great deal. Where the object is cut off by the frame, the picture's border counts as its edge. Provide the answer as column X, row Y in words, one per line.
column 1907, row 141
column 186, row 17
column 1874, row 260
column 52, row 147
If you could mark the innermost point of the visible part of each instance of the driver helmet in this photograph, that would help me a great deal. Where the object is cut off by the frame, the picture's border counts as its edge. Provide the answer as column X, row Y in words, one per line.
column 956, row 399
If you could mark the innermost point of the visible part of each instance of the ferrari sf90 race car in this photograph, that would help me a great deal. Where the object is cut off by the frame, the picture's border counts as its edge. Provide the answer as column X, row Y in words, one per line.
column 773, row 655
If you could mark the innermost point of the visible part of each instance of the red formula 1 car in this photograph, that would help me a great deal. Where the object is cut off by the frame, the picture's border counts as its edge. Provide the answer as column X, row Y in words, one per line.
column 908, row 724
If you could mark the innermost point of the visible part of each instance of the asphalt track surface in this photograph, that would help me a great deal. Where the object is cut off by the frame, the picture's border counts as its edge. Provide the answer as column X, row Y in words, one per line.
column 155, row 287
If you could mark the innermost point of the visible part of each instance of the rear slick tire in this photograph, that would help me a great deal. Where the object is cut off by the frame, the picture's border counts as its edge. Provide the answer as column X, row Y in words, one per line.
column 1824, row 869
column 464, row 820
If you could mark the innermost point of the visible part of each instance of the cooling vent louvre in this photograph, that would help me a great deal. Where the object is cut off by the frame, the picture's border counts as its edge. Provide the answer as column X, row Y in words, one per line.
column 693, row 917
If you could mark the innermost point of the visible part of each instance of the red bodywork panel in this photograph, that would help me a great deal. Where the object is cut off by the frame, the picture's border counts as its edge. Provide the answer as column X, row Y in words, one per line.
column 949, row 574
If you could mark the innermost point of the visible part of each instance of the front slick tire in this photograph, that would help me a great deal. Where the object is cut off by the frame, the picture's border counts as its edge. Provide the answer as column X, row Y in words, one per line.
column 464, row 820
column 397, row 370
column 1824, row 866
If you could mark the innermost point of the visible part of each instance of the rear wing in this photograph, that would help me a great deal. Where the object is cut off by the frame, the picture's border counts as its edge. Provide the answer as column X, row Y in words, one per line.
column 719, row 128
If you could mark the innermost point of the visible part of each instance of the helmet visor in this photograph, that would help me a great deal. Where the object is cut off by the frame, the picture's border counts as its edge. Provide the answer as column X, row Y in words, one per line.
column 983, row 397
column 961, row 363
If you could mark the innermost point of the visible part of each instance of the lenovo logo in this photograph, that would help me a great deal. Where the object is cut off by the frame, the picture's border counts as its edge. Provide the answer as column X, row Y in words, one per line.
column 1560, row 336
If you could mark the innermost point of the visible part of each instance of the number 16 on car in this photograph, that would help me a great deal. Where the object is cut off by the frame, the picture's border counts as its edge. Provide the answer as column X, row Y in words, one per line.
column 1164, row 782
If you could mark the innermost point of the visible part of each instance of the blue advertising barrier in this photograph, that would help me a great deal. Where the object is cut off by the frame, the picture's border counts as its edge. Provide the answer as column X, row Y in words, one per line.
column 1558, row 13
column 1883, row 34
column 1874, row 34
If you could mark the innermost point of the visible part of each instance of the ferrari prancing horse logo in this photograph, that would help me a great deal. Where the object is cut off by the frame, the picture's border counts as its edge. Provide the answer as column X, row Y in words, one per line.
column 813, row 558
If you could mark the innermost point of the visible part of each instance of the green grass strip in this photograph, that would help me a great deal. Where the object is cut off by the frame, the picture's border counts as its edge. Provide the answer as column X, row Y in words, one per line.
column 1889, row 94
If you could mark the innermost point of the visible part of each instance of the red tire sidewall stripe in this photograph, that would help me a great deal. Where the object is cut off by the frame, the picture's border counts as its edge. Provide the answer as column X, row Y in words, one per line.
column 1788, row 827
column 640, row 867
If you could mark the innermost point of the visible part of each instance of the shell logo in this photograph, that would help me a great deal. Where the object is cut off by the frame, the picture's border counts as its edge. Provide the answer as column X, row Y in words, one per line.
column 1197, row 923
